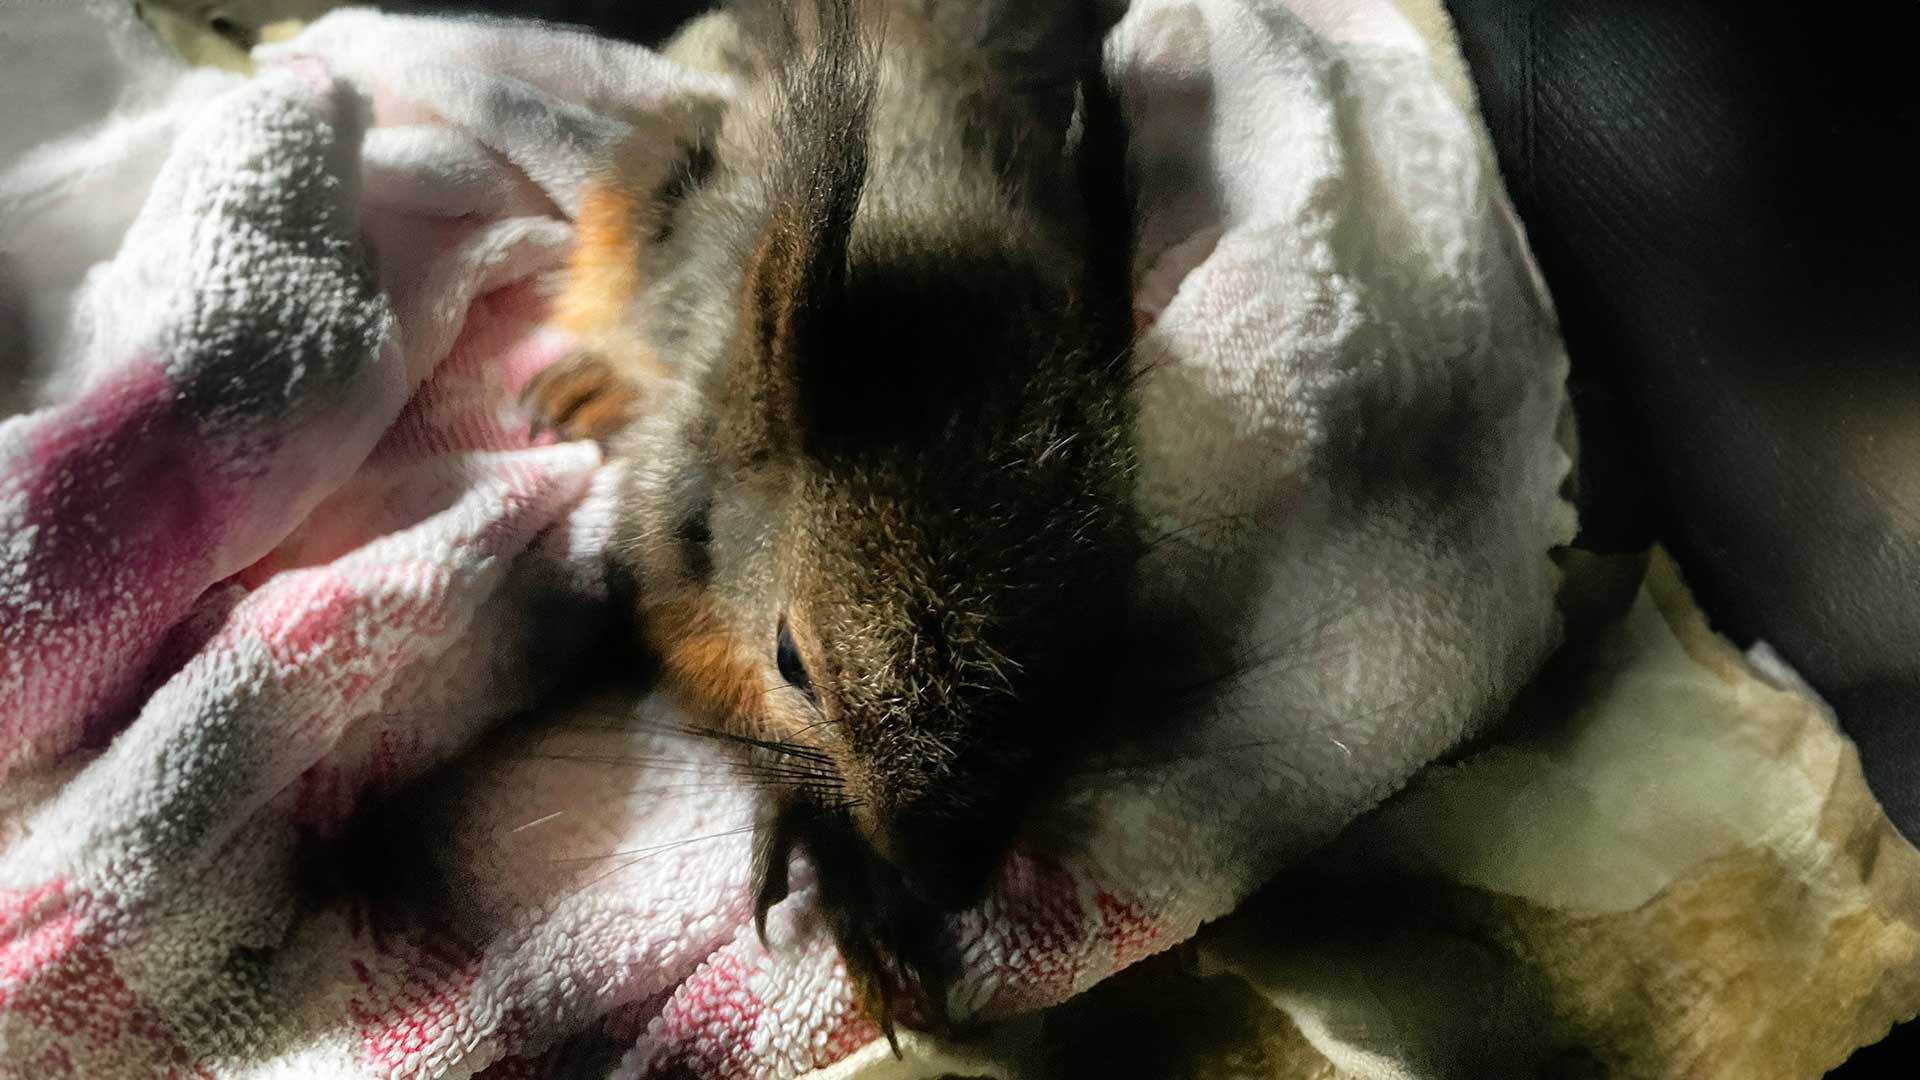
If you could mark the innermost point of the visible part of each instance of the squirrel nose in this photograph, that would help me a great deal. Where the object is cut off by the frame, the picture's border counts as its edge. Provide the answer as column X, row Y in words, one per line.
column 945, row 863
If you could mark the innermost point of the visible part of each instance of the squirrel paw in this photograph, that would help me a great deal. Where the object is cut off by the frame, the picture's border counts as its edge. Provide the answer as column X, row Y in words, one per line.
column 581, row 397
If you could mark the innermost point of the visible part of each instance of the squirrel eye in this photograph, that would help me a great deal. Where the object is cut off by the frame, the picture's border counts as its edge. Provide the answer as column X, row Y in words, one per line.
column 787, row 655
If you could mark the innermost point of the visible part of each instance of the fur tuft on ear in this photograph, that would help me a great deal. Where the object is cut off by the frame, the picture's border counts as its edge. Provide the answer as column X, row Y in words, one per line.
column 796, row 277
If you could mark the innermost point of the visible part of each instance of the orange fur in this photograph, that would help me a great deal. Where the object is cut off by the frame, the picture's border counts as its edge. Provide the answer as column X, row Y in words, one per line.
column 599, row 390
column 706, row 665
column 603, row 273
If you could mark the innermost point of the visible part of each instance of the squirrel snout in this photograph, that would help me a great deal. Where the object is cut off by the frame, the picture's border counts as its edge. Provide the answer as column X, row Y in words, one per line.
column 945, row 862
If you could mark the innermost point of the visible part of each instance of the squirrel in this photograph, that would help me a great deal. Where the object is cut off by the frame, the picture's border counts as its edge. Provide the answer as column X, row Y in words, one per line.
column 863, row 342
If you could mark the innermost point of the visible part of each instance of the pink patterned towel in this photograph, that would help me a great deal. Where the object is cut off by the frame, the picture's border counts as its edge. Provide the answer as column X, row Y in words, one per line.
column 275, row 544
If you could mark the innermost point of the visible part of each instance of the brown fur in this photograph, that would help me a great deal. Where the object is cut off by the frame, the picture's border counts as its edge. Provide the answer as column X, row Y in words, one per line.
column 879, row 325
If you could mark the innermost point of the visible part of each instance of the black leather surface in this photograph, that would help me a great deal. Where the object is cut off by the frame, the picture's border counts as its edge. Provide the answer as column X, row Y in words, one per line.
column 1721, row 198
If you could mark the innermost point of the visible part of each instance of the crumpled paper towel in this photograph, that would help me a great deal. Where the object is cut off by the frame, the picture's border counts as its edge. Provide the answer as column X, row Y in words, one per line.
column 1667, row 865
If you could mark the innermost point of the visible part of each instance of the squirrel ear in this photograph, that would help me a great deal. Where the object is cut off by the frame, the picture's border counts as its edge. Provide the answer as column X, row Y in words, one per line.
column 795, row 281
column 782, row 296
